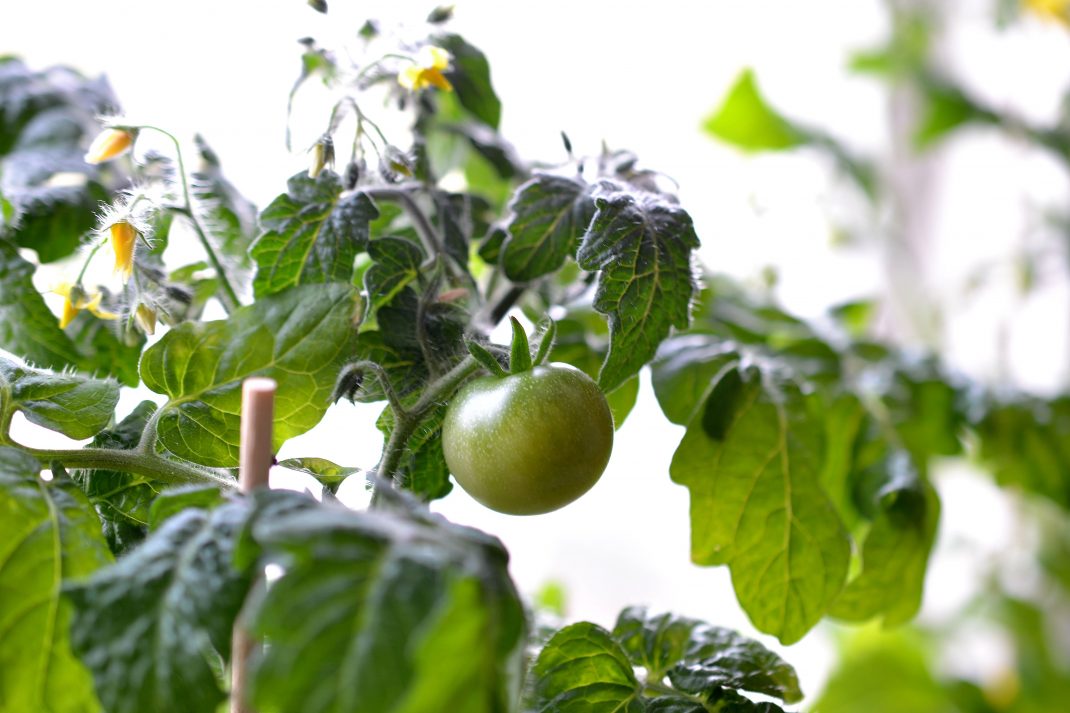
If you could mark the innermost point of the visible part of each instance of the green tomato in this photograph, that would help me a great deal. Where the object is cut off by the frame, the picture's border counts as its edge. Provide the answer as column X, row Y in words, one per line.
column 530, row 442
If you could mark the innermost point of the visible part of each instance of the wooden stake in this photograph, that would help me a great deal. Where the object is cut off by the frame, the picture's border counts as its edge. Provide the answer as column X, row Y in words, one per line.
column 256, row 457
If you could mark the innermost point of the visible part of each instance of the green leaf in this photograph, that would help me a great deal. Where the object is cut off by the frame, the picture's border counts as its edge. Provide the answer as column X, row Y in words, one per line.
column 396, row 264
column 151, row 626
column 752, row 459
column 172, row 501
column 422, row 467
column 312, row 233
column 746, row 120
column 300, row 338
column 684, row 367
column 330, row 475
column 702, row 659
column 27, row 327
column 927, row 411
column 404, row 611
column 54, row 220
column 48, row 534
column 470, row 76
column 76, row 406
column 548, row 217
column 227, row 216
column 946, row 108
column 583, row 670
column 122, row 500
column 642, row 244
column 895, row 552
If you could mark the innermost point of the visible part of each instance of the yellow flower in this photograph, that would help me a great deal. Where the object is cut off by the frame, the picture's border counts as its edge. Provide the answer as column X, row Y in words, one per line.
column 431, row 61
column 75, row 300
column 123, row 239
column 1055, row 10
column 109, row 144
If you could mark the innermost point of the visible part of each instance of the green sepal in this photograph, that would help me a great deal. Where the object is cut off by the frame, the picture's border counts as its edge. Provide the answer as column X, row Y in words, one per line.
column 520, row 355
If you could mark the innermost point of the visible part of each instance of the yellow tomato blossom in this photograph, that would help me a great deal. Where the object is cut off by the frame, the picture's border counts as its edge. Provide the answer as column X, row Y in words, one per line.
column 427, row 71
column 1056, row 10
column 75, row 300
column 109, row 144
column 123, row 238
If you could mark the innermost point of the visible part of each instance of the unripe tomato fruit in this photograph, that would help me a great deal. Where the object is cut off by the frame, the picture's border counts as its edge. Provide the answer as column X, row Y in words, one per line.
column 530, row 442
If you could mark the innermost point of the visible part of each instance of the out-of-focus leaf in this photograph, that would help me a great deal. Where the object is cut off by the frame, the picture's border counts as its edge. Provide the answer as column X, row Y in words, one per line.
column 300, row 338
column 227, row 216
column 470, row 77
column 746, row 120
column 48, row 535
column 946, row 108
column 152, row 627
column 422, row 469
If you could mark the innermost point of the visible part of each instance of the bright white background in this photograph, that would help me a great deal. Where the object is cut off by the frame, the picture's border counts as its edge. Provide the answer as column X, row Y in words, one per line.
column 642, row 75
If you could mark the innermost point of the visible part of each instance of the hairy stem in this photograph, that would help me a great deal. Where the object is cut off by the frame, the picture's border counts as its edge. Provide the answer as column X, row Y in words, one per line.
column 227, row 295
column 132, row 461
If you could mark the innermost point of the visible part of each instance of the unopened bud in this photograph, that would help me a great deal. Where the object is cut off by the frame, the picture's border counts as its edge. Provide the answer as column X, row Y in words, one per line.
column 145, row 316
column 109, row 144
column 322, row 156
column 123, row 239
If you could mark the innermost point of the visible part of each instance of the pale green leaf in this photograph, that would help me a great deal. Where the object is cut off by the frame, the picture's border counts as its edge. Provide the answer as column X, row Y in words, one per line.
column 300, row 338
column 746, row 120
column 77, row 406
column 48, row 534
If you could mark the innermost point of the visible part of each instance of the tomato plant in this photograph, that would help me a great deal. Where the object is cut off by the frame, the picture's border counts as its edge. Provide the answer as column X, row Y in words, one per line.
column 379, row 275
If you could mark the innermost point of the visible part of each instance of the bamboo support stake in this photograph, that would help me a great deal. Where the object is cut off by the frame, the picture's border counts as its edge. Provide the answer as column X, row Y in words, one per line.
column 256, row 457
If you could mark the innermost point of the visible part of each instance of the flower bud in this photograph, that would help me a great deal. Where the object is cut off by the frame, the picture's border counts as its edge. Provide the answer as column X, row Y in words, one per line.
column 123, row 238
column 145, row 316
column 109, row 144
column 322, row 156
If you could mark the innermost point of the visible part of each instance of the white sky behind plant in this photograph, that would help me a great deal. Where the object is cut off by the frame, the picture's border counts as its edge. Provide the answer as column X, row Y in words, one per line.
column 642, row 75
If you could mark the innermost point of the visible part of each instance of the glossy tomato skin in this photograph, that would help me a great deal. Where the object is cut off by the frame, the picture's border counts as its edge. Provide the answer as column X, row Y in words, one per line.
column 531, row 442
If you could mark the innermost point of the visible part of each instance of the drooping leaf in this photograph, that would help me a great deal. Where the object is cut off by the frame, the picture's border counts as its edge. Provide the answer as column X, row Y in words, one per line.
column 48, row 534
column 746, row 120
column 548, row 217
column 396, row 263
column 27, row 327
column 470, row 76
column 583, row 670
column 751, row 458
column 895, row 552
column 227, row 216
column 642, row 246
column 685, row 366
column 330, row 475
column 77, row 406
column 123, row 500
column 405, row 612
column 300, row 338
column 312, row 233
column 54, row 221
column 701, row 659
column 151, row 626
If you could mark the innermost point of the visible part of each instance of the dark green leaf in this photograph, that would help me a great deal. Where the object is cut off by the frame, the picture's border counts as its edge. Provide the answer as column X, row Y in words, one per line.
column 896, row 548
column 404, row 612
column 27, row 327
column 396, row 264
column 172, row 501
column 548, row 216
column 54, row 221
column 583, row 670
column 300, row 338
column 746, row 120
column 757, row 503
column 123, row 500
column 76, row 406
column 312, row 233
column 48, row 534
column 946, row 109
column 642, row 245
column 470, row 77
column 151, row 626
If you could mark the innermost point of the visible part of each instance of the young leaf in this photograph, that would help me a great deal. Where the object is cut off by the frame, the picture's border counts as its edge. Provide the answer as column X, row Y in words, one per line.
column 396, row 263
column 582, row 669
column 751, row 458
column 896, row 549
column 642, row 245
column 404, row 611
column 76, row 406
column 746, row 121
column 548, row 216
column 150, row 626
column 311, row 234
column 122, row 500
column 27, row 327
column 330, row 475
column 300, row 338
column 48, row 534
column 470, row 77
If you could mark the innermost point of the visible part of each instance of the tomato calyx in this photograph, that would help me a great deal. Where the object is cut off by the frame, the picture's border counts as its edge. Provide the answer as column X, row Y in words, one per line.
column 520, row 358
